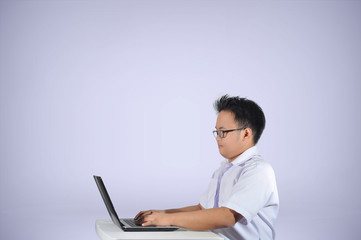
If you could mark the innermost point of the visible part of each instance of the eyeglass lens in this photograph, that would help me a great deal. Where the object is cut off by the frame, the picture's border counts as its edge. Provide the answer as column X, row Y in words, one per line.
column 218, row 133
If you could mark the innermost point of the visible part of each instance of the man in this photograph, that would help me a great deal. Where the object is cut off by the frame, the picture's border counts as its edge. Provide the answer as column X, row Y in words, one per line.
column 242, row 199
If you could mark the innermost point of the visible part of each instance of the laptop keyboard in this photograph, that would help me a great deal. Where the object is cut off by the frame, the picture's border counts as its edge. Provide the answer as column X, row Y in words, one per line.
column 131, row 222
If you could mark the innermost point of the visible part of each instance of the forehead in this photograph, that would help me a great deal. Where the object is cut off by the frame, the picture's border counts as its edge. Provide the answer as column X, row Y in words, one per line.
column 225, row 119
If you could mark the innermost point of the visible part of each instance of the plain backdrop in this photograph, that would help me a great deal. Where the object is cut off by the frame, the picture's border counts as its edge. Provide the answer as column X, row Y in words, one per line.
column 125, row 90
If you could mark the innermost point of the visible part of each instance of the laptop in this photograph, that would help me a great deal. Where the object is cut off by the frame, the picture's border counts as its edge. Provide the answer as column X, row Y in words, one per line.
column 127, row 224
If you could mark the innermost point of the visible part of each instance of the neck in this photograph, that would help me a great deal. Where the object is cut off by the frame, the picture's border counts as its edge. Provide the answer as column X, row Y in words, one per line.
column 236, row 156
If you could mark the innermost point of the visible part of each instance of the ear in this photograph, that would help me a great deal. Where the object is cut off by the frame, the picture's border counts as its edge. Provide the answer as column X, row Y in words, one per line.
column 248, row 134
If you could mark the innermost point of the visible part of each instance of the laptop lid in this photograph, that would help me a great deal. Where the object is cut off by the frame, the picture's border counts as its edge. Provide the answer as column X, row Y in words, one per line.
column 120, row 222
column 108, row 203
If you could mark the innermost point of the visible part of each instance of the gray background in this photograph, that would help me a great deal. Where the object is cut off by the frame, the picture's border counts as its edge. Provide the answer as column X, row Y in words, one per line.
column 124, row 89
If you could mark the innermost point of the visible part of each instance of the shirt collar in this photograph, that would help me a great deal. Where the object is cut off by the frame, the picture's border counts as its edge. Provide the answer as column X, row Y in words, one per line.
column 246, row 155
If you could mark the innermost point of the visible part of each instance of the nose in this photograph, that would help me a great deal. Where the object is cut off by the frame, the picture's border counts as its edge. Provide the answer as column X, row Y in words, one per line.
column 218, row 138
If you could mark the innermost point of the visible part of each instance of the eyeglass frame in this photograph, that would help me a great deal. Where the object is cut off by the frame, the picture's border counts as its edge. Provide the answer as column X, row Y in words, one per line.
column 225, row 131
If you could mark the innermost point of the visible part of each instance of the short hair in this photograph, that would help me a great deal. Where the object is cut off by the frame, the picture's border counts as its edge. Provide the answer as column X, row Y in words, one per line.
column 247, row 113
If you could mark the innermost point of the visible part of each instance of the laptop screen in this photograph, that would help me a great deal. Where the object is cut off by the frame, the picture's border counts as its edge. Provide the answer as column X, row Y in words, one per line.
column 107, row 201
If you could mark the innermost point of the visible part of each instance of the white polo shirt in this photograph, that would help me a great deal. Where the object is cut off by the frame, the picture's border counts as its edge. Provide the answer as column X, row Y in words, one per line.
column 249, row 188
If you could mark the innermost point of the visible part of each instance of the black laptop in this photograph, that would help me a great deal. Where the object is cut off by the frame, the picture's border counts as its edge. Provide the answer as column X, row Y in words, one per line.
column 127, row 224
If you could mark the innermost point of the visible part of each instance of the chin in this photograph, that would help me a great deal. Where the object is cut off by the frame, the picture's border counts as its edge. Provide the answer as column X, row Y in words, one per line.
column 223, row 155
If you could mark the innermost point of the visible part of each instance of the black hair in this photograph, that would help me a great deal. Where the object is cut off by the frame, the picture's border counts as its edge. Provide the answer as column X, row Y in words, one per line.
column 247, row 113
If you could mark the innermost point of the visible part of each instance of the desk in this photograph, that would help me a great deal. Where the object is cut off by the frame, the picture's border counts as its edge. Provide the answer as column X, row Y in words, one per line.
column 107, row 230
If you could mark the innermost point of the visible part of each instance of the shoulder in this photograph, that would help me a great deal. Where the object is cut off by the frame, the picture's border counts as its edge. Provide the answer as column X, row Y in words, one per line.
column 263, row 165
column 258, row 167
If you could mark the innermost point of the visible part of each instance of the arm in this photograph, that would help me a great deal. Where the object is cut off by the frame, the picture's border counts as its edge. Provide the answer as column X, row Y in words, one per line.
column 185, row 209
column 206, row 219
column 142, row 214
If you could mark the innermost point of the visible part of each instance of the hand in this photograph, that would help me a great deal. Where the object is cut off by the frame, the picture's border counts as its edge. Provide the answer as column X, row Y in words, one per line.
column 156, row 219
column 140, row 216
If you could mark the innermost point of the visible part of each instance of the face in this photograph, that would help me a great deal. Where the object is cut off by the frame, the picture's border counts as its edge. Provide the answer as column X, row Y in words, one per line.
column 234, row 143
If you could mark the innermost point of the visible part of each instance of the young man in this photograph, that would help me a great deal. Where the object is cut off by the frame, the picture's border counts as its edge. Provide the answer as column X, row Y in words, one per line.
column 242, row 199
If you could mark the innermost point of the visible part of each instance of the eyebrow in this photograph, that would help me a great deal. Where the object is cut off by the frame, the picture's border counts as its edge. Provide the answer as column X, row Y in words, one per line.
column 220, row 128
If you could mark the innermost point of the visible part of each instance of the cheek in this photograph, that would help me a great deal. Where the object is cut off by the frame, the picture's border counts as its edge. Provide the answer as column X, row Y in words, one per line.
column 226, row 146
column 231, row 144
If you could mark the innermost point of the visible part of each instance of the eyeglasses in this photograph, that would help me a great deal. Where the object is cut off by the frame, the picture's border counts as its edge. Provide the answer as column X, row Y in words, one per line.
column 223, row 133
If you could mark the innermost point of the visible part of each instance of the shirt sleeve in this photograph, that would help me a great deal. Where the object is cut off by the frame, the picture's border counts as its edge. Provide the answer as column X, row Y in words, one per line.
column 207, row 198
column 252, row 191
column 203, row 200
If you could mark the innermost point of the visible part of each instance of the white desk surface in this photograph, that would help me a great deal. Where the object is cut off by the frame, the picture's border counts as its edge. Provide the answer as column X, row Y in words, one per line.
column 107, row 230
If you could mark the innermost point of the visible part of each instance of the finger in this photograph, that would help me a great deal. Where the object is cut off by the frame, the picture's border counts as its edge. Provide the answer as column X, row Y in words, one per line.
column 138, row 221
column 149, row 220
column 147, row 223
column 145, row 219
column 138, row 215
column 142, row 215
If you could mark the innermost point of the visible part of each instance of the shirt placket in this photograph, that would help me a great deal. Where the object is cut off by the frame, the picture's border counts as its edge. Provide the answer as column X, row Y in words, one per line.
column 216, row 197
